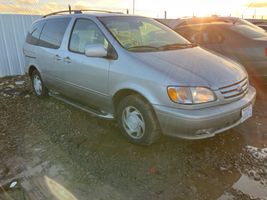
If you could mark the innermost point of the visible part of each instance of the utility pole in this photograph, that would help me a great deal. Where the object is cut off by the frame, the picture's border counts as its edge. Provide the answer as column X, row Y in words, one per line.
column 165, row 14
column 133, row 6
column 69, row 8
column 255, row 15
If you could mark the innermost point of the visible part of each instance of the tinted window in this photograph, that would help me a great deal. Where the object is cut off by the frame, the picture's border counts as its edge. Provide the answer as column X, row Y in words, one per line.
column 215, row 36
column 85, row 32
column 53, row 32
column 203, row 36
column 34, row 34
column 186, row 33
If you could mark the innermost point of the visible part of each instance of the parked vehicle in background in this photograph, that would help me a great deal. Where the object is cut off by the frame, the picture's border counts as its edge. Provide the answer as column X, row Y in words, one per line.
column 238, row 40
column 263, row 26
column 203, row 20
column 138, row 71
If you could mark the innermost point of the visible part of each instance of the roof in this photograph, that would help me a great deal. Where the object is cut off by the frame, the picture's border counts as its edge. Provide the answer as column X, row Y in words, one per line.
column 95, row 13
column 205, row 20
column 89, row 15
column 205, row 25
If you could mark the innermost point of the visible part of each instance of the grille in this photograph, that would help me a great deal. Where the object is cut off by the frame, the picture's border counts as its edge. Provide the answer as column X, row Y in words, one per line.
column 235, row 90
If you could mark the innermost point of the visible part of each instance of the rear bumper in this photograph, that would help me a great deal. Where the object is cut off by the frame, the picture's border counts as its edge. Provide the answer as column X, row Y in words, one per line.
column 202, row 123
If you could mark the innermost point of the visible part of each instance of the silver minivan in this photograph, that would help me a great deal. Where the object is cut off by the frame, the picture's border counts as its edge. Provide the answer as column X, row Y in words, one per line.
column 139, row 72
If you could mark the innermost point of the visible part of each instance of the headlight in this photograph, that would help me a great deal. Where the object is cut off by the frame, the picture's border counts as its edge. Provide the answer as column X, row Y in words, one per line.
column 190, row 95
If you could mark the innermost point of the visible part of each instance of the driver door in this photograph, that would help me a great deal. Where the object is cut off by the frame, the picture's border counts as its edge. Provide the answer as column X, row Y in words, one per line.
column 86, row 77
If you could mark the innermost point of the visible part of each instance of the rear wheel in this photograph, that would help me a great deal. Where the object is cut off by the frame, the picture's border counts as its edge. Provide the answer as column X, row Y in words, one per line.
column 137, row 120
column 38, row 86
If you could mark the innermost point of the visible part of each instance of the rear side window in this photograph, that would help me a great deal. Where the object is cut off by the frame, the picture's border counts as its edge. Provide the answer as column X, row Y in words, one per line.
column 34, row 34
column 215, row 36
column 53, row 32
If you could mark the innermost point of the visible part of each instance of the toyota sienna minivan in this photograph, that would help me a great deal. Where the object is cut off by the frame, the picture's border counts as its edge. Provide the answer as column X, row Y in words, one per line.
column 137, row 71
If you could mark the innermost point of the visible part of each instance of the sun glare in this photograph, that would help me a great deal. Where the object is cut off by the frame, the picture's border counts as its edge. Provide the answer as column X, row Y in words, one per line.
column 173, row 8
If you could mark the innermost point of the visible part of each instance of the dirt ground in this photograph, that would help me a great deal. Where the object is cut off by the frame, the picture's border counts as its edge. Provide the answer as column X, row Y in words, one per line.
column 50, row 150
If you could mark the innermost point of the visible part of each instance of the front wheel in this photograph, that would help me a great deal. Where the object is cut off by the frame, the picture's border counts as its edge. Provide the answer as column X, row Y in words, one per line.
column 38, row 86
column 137, row 120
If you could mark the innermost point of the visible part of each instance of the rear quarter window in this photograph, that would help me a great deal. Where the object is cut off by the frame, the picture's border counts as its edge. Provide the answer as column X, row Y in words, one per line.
column 34, row 34
column 53, row 32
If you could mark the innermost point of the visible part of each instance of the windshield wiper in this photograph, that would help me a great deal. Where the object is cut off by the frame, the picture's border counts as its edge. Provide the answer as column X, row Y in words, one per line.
column 163, row 47
column 142, row 47
column 177, row 46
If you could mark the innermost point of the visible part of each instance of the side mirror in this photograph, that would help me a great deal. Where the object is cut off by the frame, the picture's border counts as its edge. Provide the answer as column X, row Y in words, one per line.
column 95, row 50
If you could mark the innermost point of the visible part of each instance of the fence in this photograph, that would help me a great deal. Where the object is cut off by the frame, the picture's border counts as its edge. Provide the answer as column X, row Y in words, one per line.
column 13, row 30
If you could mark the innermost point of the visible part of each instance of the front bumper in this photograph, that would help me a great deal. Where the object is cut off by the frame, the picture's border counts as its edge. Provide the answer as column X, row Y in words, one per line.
column 205, row 122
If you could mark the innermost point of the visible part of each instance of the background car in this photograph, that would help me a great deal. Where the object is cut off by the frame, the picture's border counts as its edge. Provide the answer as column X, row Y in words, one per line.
column 238, row 40
column 263, row 27
column 200, row 20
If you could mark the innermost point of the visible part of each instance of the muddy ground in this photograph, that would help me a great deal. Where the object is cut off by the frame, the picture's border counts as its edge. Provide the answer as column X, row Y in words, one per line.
column 50, row 150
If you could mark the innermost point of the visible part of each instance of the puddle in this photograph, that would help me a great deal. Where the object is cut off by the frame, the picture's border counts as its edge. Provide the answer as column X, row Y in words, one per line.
column 226, row 196
column 251, row 187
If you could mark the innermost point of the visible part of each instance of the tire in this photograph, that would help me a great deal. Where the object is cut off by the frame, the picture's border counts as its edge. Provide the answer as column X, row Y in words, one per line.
column 137, row 120
column 38, row 85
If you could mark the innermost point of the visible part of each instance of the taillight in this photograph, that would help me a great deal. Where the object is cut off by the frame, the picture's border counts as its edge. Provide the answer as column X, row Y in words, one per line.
column 266, row 51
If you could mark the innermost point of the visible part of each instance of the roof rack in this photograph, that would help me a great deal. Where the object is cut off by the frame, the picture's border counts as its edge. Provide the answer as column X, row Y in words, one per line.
column 78, row 12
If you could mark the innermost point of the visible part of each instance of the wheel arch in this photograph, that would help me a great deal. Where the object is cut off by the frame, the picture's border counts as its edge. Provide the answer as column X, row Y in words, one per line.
column 31, row 69
column 126, row 91
column 120, row 94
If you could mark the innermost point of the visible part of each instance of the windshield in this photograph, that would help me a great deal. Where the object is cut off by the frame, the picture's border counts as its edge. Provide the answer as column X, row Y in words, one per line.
column 245, row 22
column 143, row 34
column 249, row 31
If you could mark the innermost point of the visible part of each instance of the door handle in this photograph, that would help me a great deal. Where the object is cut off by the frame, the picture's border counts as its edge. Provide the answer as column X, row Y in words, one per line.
column 58, row 57
column 67, row 59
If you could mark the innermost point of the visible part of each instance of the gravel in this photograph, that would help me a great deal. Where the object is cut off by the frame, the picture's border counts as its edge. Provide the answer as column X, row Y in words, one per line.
column 46, row 142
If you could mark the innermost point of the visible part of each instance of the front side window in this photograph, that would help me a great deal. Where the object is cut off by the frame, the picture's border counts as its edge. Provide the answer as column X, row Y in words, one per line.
column 85, row 32
column 143, row 34
column 53, row 32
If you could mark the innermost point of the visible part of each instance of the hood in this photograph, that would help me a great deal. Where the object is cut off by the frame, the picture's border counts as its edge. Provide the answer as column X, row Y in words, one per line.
column 193, row 67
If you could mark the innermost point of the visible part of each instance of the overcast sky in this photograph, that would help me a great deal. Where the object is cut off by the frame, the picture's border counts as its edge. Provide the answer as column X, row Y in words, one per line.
column 152, row 8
